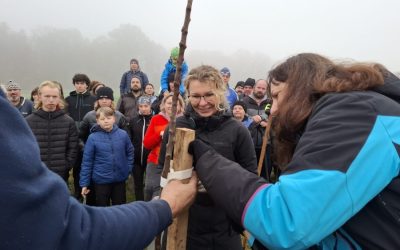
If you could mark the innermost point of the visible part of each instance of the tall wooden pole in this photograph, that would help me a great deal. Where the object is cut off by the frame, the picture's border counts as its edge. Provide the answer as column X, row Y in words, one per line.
column 172, row 123
column 177, row 81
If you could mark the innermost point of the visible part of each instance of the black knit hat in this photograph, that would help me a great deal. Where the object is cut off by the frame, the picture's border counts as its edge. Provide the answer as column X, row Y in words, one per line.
column 250, row 82
column 105, row 92
column 239, row 83
column 241, row 103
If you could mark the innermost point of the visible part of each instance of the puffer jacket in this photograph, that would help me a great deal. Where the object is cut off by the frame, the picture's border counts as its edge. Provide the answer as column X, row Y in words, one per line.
column 57, row 137
column 90, row 120
column 107, row 157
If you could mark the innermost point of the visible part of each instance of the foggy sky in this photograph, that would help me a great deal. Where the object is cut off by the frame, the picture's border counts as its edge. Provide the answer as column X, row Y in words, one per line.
column 363, row 30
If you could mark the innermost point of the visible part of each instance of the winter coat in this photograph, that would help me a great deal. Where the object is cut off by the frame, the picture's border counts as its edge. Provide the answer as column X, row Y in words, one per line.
column 138, row 127
column 169, row 67
column 152, row 139
column 232, row 140
column 57, row 138
column 37, row 211
column 107, row 157
column 25, row 106
column 78, row 105
column 125, row 84
column 128, row 106
column 256, row 130
column 231, row 96
column 341, row 188
column 253, row 108
column 89, row 120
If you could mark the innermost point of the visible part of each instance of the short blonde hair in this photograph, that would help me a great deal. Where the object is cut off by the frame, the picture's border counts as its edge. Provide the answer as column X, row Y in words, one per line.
column 53, row 85
column 209, row 75
column 106, row 111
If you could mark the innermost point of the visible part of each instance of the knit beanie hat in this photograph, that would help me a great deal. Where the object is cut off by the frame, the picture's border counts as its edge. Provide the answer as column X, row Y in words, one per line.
column 105, row 92
column 239, row 83
column 175, row 52
column 241, row 103
column 250, row 82
column 13, row 86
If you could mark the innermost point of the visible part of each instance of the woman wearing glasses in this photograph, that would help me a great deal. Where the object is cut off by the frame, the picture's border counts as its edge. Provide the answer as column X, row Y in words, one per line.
column 207, row 113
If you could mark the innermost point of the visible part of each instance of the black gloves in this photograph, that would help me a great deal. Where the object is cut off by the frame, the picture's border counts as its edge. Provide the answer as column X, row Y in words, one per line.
column 197, row 148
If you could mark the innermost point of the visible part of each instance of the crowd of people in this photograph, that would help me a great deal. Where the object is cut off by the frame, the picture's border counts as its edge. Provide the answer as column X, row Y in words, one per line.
column 334, row 140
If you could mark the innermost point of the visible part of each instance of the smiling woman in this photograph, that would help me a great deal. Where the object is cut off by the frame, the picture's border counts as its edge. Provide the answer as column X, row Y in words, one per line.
column 208, row 114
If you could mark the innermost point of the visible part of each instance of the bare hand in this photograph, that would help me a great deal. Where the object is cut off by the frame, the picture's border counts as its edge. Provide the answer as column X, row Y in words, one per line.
column 180, row 196
column 263, row 124
column 85, row 191
column 257, row 118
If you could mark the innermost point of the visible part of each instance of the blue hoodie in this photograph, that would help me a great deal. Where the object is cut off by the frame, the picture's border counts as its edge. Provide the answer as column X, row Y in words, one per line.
column 37, row 211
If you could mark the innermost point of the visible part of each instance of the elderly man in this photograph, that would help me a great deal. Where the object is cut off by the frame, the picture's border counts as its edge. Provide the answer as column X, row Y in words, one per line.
column 24, row 105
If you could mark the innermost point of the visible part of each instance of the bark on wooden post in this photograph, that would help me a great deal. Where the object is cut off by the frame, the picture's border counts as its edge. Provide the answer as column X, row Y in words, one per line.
column 177, row 232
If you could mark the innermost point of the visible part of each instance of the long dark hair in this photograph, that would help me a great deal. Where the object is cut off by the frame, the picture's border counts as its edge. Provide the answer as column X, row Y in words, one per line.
column 308, row 77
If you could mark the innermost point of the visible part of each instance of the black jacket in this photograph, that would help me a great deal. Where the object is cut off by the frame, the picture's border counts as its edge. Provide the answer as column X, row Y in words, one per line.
column 232, row 140
column 138, row 127
column 79, row 105
column 57, row 137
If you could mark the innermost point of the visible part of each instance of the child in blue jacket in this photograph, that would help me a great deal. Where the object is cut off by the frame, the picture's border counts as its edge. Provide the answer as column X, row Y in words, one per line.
column 107, row 160
column 170, row 67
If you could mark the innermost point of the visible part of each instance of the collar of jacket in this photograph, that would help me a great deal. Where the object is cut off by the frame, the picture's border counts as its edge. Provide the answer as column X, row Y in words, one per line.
column 211, row 123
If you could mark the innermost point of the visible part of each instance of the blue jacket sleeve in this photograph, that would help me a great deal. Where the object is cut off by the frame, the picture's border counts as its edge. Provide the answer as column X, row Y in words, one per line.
column 325, row 183
column 164, row 77
column 87, row 162
column 37, row 211
column 130, row 152
column 185, row 70
column 122, row 85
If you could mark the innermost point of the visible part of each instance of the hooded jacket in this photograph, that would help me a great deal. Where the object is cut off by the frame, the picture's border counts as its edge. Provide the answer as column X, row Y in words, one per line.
column 57, row 138
column 342, row 187
column 107, row 158
column 169, row 67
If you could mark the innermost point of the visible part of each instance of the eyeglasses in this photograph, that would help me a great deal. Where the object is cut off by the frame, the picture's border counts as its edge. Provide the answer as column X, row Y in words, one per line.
column 209, row 97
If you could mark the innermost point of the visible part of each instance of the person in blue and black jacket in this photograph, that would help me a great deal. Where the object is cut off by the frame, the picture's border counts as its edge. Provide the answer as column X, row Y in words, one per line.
column 37, row 211
column 338, row 135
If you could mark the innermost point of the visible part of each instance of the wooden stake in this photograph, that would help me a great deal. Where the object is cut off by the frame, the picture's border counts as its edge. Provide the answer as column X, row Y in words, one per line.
column 264, row 147
column 177, row 232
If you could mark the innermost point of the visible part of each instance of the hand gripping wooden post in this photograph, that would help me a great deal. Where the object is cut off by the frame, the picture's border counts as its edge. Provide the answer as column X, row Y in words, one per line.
column 182, row 160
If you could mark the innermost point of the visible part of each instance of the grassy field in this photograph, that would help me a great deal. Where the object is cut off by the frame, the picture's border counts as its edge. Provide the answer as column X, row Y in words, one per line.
column 130, row 194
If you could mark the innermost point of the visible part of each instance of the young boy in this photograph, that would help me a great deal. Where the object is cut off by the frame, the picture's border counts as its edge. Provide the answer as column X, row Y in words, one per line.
column 107, row 160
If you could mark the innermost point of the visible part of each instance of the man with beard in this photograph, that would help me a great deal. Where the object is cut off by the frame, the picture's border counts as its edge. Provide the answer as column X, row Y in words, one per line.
column 126, row 78
column 256, row 103
column 127, row 104
column 24, row 105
